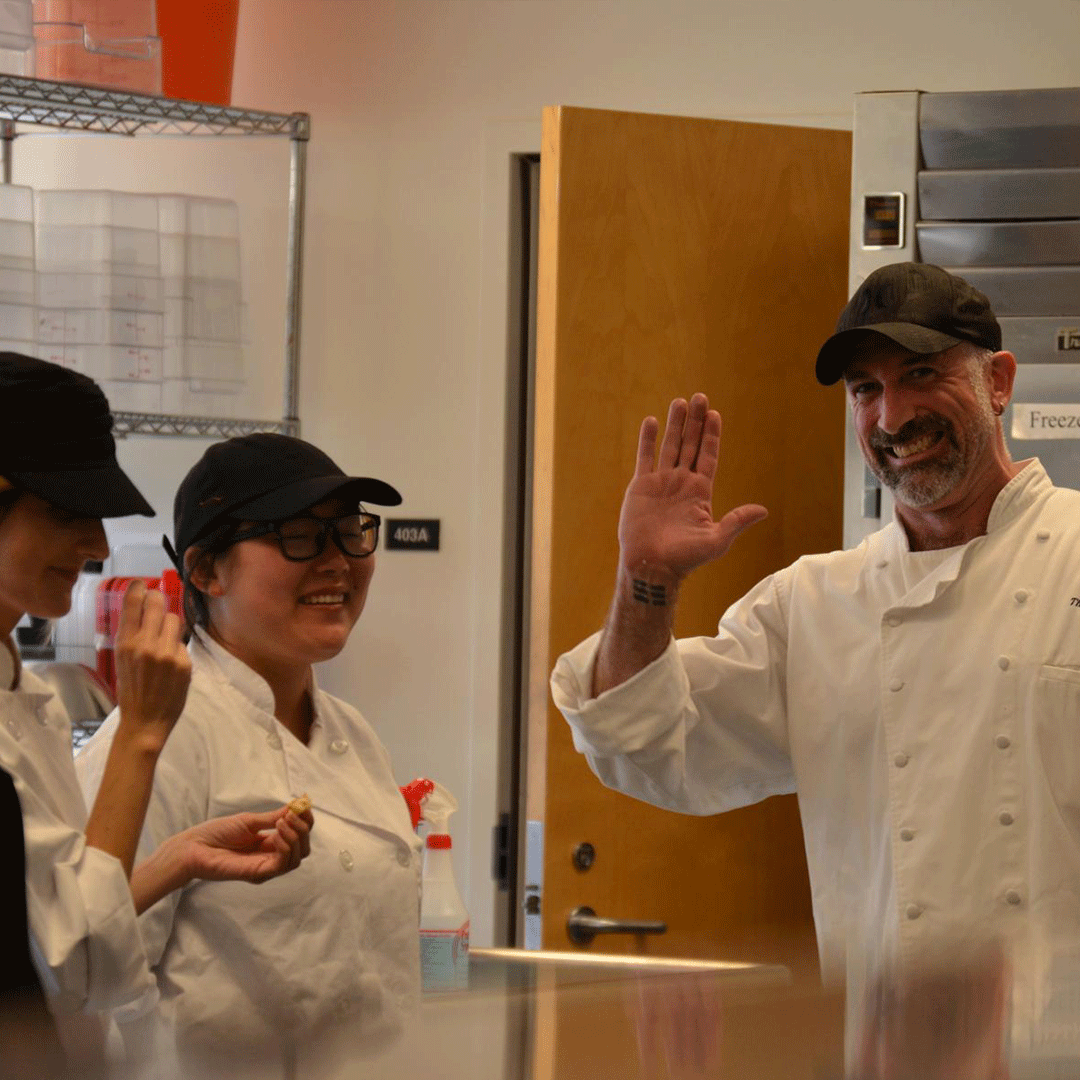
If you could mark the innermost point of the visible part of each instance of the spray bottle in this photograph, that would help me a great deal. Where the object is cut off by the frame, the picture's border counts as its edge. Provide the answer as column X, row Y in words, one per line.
column 444, row 922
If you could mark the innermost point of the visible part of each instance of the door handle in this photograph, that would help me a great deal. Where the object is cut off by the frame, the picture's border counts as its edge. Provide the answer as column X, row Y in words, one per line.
column 584, row 924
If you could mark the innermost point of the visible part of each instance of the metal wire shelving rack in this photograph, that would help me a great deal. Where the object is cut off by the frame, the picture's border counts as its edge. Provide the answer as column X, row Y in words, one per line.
column 85, row 108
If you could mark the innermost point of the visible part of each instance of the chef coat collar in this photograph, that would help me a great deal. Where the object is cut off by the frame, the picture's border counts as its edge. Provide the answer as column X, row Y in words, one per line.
column 1026, row 488
column 247, row 681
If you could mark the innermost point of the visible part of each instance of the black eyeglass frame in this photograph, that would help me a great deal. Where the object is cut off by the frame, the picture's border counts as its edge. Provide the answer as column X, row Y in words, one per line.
column 327, row 527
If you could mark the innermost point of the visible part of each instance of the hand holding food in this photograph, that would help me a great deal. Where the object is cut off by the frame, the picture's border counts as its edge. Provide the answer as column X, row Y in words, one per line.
column 248, row 847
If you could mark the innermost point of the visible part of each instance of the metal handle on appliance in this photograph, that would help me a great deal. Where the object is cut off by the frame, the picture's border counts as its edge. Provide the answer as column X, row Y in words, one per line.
column 584, row 924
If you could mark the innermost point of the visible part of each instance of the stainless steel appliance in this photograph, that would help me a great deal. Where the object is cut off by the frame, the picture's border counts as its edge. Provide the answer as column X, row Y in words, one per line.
column 986, row 184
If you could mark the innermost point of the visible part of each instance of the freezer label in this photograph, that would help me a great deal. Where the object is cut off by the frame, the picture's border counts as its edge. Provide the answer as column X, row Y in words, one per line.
column 1046, row 422
column 1068, row 339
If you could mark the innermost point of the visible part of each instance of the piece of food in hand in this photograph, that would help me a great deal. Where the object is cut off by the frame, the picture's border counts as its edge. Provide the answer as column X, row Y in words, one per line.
column 300, row 805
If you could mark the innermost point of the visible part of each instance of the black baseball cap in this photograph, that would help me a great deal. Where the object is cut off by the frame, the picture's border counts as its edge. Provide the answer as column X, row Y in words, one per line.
column 262, row 477
column 56, row 440
column 923, row 308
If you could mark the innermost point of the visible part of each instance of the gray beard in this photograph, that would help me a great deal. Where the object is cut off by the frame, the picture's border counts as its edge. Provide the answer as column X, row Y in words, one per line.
column 923, row 485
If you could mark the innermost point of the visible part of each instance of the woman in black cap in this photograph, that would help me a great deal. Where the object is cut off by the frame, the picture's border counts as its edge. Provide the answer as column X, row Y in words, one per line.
column 58, row 478
column 277, row 550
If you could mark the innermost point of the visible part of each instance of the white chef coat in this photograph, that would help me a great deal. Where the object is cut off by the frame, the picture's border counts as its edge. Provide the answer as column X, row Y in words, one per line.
column 85, row 936
column 326, row 954
column 925, row 706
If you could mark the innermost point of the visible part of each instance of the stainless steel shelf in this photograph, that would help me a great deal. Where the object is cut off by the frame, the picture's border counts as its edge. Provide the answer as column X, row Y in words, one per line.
column 75, row 107
column 88, row 108
column 195, row 427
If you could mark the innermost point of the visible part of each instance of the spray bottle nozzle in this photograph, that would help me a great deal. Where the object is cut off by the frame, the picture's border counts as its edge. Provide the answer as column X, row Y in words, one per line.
column 415, row 793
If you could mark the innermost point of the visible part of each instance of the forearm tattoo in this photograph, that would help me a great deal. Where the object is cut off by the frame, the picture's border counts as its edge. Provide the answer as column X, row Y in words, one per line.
column 644, row 593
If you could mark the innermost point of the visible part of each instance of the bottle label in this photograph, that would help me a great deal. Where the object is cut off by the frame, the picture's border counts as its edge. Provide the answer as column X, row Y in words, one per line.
column 444, row 959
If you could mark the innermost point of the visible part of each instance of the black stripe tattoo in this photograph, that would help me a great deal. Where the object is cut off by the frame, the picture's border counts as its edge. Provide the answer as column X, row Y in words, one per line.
column 644, row 593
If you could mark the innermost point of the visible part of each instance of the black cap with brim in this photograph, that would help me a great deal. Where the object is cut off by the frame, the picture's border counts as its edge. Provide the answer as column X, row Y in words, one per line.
column 920, row 307
column 835, row 355
column 102, row 491
column 294, row 498
column 264, row 476
column 56, row 440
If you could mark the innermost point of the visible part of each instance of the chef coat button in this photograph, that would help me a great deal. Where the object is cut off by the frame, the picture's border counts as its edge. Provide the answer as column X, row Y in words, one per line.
column 901, row 760
column 403, row 857
column 1003, row 663
column 346, row 859
column 339, row 746
column 13, row 726
column 907, row 834
column 882, row 563
column 1013, row 897
column 1042, row 534
column 893, row 620
column 913, row 911
column 1005, row 817
column 1003, row 742
column 1021, row 595
column 273, row 740
column 896, row 685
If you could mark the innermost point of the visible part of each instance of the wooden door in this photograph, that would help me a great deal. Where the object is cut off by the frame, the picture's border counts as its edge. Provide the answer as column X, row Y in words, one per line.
column 678, row 255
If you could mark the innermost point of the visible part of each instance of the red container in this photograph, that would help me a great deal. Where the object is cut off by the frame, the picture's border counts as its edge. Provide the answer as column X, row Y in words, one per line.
column 198, row 42
column 110, row 602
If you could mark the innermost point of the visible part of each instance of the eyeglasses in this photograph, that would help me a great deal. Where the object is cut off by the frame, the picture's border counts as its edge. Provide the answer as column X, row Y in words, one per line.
column 304, row 538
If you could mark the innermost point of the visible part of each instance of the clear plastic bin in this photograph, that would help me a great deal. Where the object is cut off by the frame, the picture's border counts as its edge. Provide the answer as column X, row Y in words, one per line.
column 144, row 397
column 27, row 348
column 110, row 18
column 191, row 359
column 201, row 397
column 106, row 361
column 70, row 52
column 122, row 209
column 16, row 244
column 212, row 314
column 127, row 292
column 17, row 323
column 87, row 326
column 16, row 227
column 17, row 286
column 17, row 55
column 196, row 216
column 17, row 18
column 96, row 248
column 213, row 257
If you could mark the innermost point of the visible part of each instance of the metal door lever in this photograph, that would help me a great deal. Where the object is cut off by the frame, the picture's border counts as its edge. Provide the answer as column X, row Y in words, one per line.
column 584, row 924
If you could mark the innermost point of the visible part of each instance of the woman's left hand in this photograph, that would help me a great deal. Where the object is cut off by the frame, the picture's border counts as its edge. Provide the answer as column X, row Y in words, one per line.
column 247, row 847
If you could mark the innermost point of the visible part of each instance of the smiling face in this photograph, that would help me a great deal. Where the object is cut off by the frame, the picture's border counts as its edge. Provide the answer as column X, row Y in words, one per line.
column 927, row 425
column 42, row 550
column 278, row 615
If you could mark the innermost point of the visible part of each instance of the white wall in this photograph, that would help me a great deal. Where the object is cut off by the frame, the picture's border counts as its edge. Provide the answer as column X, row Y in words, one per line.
column 415, row 106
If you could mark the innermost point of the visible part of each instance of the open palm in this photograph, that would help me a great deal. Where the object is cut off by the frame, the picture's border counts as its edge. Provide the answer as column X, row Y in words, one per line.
column 666, row 523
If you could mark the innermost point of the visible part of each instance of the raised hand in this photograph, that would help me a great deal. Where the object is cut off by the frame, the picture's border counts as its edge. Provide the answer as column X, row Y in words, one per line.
column 153, row 669
column 666, row 530
column 666, row 527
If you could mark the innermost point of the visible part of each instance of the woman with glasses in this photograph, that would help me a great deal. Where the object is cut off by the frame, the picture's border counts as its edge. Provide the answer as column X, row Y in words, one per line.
column 277, row 550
